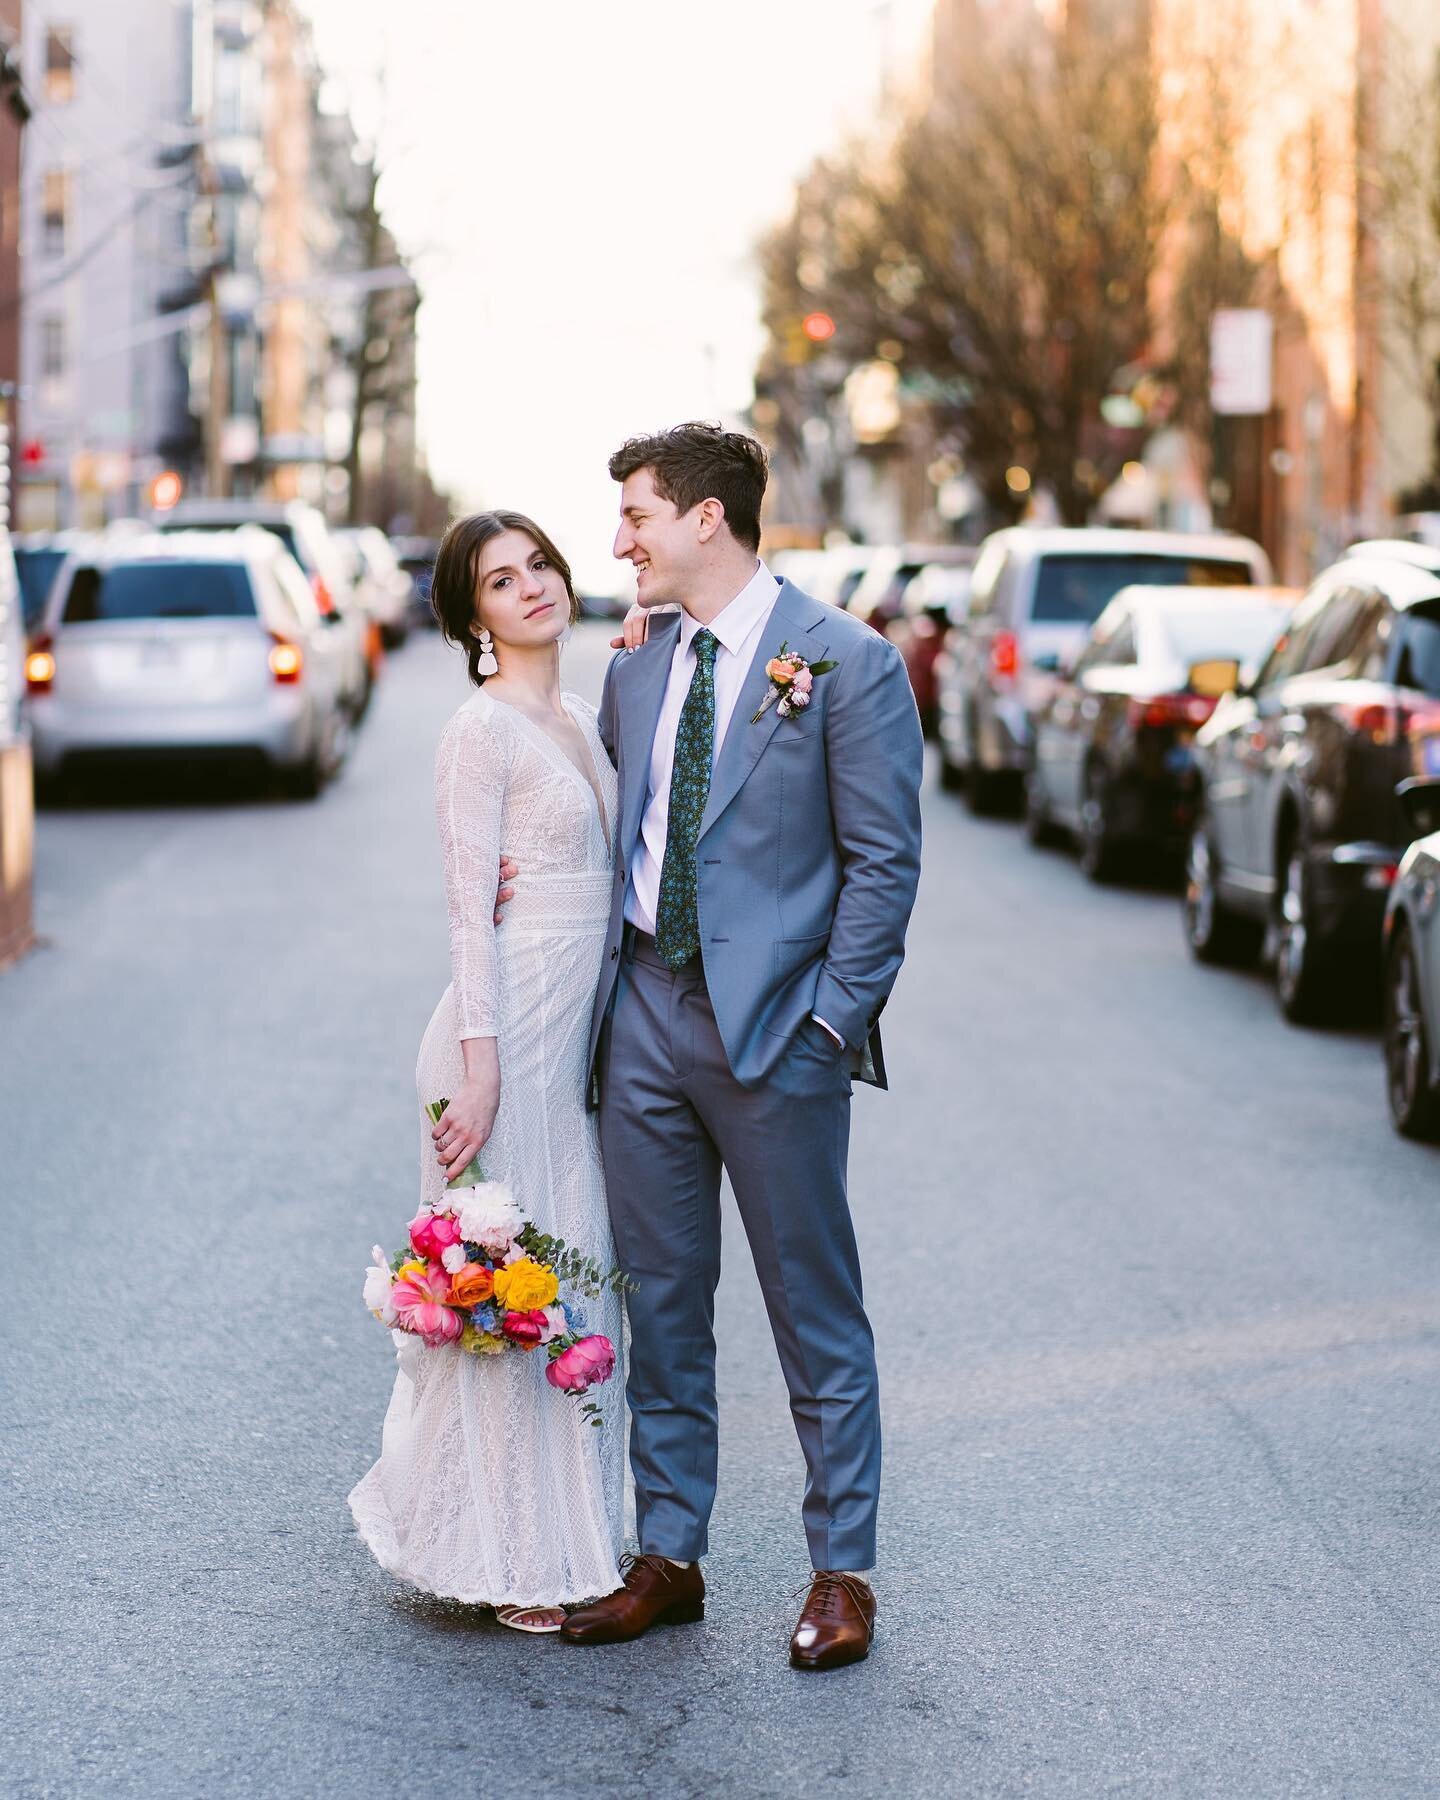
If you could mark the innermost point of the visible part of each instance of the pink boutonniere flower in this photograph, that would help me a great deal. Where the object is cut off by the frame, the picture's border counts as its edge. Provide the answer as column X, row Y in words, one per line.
column 792, row 680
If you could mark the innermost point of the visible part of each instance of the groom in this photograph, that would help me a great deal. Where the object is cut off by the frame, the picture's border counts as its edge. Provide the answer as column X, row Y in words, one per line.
column 768, row 850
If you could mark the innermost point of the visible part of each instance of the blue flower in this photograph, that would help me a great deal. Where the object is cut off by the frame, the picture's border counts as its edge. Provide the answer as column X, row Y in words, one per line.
column 574, row 1315
column 485, row 1318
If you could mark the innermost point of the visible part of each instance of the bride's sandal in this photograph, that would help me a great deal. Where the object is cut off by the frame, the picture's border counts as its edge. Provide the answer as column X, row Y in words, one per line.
column 536, row 1619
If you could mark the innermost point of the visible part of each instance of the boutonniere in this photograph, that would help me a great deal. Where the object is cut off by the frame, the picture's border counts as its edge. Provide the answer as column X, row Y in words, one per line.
column 791, row 679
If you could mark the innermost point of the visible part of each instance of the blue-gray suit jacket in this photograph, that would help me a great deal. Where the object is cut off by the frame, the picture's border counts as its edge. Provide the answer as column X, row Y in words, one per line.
column 809, row 849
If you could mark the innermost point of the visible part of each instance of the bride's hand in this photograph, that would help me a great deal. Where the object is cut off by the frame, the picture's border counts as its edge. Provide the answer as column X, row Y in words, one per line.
column 465, row 1125
column 634, row 631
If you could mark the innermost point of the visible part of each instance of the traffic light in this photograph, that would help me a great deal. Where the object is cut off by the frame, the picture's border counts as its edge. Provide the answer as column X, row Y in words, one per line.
column 819, row 327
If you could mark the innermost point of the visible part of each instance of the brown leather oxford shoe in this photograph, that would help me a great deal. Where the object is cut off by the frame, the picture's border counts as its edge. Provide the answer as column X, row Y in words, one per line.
column 656, row 1592
column 837, row 1622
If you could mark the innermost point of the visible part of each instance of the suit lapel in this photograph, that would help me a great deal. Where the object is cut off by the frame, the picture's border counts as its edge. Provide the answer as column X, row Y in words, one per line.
column 794, row 619
column 645, row 675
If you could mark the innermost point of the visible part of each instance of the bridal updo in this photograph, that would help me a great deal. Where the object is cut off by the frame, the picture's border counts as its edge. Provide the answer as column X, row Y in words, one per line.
column 455, row 585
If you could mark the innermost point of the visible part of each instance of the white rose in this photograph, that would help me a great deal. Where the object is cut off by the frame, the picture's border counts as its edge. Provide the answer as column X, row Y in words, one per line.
column 452, row 1258
column 489, row 1216
column 378, row 1282
column 555, row 1325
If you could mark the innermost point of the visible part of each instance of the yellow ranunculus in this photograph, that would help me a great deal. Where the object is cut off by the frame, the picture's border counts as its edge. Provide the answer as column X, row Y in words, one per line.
column 481, row 1343
column 416, row 1266
column 525, row 1286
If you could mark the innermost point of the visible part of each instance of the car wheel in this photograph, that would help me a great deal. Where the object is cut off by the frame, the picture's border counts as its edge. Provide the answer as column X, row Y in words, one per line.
column 1215, row 934
column 1301, row 974
column 984, row 790
column 1098, row 852
column 952, row 776
column 1040, row 828
column 1414, row 1097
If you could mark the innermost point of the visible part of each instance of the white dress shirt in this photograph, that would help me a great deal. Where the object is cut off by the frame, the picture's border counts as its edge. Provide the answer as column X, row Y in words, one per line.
column 737, row 630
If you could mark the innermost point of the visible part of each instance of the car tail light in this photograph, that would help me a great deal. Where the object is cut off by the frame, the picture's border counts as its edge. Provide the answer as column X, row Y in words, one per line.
column 1170, row 709
column 1391, row 721
column 324, row 599
column 287, row 661
column 1004, row 656
column 40, row 666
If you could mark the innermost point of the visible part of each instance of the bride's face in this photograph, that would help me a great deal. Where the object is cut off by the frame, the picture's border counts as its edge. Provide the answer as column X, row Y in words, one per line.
column 521, row 598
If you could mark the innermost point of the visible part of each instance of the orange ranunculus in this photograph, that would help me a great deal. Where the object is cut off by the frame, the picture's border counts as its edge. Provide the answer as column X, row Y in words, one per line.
column 781, row 670
column 473, row 1285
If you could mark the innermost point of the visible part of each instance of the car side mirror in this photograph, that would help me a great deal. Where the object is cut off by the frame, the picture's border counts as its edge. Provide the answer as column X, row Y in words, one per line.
column 1419, row 798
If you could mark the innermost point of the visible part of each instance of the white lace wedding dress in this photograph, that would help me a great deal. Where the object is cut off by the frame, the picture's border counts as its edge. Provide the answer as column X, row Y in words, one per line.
column 492, row 1485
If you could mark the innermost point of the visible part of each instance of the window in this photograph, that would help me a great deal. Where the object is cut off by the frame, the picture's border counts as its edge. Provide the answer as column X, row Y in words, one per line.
column 59, row 64
column 1076, row 589
column 1418, row 665
column 52, row 346
column 54, row 211
column 160, row 590
column 1344, row 630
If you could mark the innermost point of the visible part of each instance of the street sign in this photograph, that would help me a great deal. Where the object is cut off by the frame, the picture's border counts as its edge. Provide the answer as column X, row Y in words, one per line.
column 1241, row 353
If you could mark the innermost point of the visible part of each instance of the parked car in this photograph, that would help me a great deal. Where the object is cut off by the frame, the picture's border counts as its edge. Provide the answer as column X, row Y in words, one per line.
column 304, row 533
column 171, row 646
column 381, row 585
column 839, row 571
column 1412, row 968
column 38, row 556
column 1299, row 832
column 417, row 558
column 880, row 592
column 1034, row 595
column 1113, row 763
column 934, row 601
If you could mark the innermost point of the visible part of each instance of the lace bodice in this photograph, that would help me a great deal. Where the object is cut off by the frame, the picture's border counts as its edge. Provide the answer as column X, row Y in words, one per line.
column 502, row 784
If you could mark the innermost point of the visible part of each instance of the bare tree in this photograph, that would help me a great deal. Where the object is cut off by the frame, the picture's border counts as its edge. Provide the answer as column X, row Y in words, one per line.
column 1001, row 254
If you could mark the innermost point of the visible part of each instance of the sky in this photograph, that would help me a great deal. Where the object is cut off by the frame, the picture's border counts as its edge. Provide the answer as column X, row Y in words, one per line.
column 581, row 184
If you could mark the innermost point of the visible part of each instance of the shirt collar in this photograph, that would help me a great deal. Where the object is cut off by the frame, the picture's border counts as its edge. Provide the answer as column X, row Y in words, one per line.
column 735, row 622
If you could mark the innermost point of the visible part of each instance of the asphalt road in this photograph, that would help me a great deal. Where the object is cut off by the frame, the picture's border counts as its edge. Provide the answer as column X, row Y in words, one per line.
column 1155, row 1289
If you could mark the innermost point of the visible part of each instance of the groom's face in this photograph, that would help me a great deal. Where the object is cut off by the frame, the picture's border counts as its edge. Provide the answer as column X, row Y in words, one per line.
column 661, row 544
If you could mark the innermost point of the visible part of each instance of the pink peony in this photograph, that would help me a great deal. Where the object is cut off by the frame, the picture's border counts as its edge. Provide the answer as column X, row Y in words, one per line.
column 419, row 1303
column 583, row 1366
column 802, row 683
column 432, row 1234
column 524, row 1328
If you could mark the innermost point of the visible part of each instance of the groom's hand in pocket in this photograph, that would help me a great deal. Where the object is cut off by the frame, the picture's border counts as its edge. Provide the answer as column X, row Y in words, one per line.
column 508, row 871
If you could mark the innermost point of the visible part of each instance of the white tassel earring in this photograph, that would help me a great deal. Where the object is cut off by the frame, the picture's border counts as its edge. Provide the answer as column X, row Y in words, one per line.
column 487, row 664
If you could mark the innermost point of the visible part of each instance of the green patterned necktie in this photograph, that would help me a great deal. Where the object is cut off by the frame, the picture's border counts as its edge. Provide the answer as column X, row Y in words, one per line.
column 677, row 916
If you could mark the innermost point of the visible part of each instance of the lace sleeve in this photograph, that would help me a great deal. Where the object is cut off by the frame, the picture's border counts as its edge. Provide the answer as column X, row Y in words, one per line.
column 472, row 766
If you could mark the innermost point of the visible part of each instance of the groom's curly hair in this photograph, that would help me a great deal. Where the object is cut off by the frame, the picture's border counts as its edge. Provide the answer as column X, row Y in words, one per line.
column 455, row 585
column 702, row 461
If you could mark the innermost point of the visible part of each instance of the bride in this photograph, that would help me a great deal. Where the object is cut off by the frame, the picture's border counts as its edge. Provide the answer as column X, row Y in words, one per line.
column 491, row 1486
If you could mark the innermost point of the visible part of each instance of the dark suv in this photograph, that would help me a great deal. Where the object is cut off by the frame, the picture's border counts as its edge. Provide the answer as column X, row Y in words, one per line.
column 1299, row 831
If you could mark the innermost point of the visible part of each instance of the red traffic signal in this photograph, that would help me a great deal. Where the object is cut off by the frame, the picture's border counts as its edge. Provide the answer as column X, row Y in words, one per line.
column 819, row 327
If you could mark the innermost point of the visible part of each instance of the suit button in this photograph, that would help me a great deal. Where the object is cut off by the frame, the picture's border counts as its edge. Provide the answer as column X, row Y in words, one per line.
column 614, row 951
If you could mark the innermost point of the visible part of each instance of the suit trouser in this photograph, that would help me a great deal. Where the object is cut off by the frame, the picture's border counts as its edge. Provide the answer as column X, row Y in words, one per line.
column 671, row 1114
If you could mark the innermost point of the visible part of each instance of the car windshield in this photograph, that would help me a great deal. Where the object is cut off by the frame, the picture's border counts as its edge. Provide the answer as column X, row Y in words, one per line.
column 285, row 532
column 1419, row 665
column 1242, row 632
column 160, row 590
column 36, row 569
column 1076, row 589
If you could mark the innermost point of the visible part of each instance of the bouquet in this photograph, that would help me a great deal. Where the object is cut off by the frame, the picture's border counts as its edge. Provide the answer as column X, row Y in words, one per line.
column 479, row 1276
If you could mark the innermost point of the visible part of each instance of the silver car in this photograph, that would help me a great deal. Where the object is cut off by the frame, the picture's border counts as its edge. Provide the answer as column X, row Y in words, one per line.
column 1034, row 595
column 182, row 644
column 1412, row 957
column 301, row 528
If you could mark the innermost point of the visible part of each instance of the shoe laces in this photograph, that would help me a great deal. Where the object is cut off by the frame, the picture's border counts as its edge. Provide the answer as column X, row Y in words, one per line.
column 824, row 1589
column 632, row 1561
